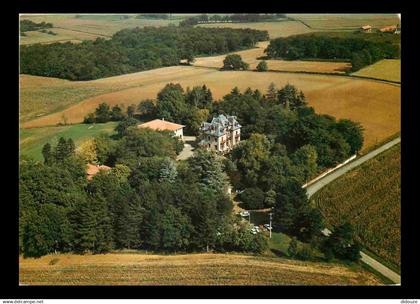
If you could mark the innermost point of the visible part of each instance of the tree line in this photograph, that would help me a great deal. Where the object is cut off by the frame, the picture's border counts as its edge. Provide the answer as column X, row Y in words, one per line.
column 360, row 51
column 204, row 18
column 132, row 50
column 28, row 25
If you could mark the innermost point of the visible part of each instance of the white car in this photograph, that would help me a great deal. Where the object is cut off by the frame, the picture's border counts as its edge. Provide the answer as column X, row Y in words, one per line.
column 244, row 213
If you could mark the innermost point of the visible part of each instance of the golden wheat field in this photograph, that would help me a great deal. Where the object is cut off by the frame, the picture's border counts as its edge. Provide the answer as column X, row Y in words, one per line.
column 251, row 57
column 374, row 104
column 387, row 69
column 275, row 29
column 345, row 22
column 191, row 269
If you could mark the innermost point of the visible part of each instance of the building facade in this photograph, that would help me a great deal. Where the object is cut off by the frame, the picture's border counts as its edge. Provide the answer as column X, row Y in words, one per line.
column 221, row 134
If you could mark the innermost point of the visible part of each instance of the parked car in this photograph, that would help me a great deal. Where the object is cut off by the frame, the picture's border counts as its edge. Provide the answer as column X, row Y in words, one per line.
column 244, row 213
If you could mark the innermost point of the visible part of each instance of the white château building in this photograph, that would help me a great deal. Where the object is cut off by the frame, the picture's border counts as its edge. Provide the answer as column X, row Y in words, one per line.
column 221, row 134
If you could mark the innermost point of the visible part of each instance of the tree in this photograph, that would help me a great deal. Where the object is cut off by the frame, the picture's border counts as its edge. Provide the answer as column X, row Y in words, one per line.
column 64, row 149
column 252, row 198
column 306, row 159
column 87, row 151
column 47, row 154
column 147, row 108
column 293, row 247
column 197, row 118
column 352, row 133
column 117, row 113
column 171, row 103
column 103, row 113
column 340, row 244
column 168, row 171
column 234, row 62
column 124, row 124
column 131, row 109
column 290, row 98
column 262, row 66
column 90, row 118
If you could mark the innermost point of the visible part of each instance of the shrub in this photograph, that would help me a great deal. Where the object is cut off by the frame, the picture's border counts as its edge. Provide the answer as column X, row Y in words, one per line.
column 234, row 62
column 262, row 66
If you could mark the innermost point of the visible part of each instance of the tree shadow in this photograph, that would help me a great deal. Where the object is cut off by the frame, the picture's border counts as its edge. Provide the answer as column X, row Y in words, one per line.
column 279, row 253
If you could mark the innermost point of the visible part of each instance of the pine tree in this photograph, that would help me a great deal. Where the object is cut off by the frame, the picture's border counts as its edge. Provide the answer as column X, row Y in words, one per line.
column 46, row 153
column 84, row 226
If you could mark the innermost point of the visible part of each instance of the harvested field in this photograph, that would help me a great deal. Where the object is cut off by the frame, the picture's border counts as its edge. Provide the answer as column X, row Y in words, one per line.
column 89, row 27
column 387, row 69
column 343, row 22
column 192, row 269
column 250, row 57
column 374, row 104
column 369, row 197
column 275, row 29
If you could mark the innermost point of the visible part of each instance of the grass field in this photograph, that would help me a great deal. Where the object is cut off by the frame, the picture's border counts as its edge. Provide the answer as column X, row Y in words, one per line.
column 31, row 141
column 374, row 104
column 88, row 27
column 275, row 29
column 372, row 203
column 387, row 69
column 191, row 269
column 345, row 22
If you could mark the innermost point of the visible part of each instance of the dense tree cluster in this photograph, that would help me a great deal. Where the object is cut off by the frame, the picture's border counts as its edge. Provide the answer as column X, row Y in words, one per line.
column 147, row 201
column 284, row 144
column 360, row 51
column 132, row 50
column 152, row 16
column 234, row 62
column 103, row 113
column 204, row 18
column 28, row 25
column 341, row 245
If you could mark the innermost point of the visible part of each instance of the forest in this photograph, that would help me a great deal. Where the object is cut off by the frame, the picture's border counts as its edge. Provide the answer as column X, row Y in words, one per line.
column 133, row 50
column 361, row 52
column 204, row 18
column 150, row 201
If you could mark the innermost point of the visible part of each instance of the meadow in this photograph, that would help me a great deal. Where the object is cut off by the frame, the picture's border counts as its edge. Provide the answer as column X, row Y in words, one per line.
column 369, row 197
column 31, row 141
column 374, row 104
column 191, row 269
column 345, row 22
column 387, row 69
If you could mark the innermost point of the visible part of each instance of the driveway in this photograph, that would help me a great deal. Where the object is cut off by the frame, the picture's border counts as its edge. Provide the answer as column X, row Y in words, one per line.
column 188, row 150
column 313, row 188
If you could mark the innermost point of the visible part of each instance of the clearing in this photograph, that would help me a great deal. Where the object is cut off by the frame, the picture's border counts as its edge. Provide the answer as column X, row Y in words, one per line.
column 191, row 269
column 31, row 141
column 387, row 69
column 372, row 204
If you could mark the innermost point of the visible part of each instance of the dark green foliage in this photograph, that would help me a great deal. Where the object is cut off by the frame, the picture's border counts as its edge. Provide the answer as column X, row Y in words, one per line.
column 262, row 66
column 293, row 247
column 234, row 62
column 124, row 124
column 131, row 109
column 117, row 113
column 231, row 18
column 361, row 51
column 340, row 244
column 352, row 132
column 47, row 153
column 290, row 98
column 171, row 103
column 147, row 108
column 132, row 50
column 28, row 25
column 103, row 113
column 252, row 198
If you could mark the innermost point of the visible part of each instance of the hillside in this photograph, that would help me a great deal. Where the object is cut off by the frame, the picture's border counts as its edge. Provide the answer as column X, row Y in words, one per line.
column 387, row 69
column 374, row 104
column 372, row 204
column 193, row 269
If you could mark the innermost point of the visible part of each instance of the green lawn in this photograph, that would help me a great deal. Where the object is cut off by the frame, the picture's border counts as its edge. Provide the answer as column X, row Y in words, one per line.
column 32, row 140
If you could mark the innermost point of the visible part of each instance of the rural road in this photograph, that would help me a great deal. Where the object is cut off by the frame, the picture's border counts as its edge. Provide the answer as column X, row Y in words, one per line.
column 313, row 188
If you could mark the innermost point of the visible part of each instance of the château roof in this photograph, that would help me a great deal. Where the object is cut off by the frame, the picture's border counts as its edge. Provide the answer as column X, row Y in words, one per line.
column 220, row 125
